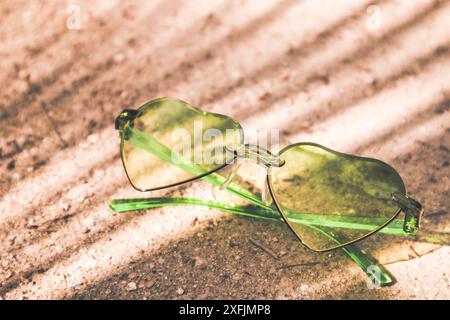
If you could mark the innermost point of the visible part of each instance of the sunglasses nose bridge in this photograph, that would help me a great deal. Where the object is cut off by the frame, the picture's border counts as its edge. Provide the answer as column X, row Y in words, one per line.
column 124, row 117
column 258, row 155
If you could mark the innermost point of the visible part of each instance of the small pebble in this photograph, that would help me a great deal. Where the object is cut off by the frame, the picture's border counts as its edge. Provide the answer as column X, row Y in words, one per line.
column 233, row 244
column 32, row 76
column 11, row 165
column 23, row 74
column 22, row 86
column 180, row 291
column 119, row 57
column 236, row 277
column 11, row 242
column 150, row 283
column 76, row 286
column 131, row 286
column 199, row 262
column 31, row 224
column 92, row 138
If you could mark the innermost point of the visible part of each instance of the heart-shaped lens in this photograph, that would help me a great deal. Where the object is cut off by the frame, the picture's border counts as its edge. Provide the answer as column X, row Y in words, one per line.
column 330, row 199
column 170, row 142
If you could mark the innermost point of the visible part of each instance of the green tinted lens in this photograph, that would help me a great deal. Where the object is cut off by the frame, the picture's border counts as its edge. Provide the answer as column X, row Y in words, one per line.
column 170, row 142
column 326, row 196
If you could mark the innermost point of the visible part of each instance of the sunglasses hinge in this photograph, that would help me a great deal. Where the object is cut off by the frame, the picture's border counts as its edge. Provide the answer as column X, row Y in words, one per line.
column 413, row 212
column 125, row 117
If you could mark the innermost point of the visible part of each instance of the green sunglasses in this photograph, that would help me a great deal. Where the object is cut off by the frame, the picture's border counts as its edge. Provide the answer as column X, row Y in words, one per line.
column 328, row 199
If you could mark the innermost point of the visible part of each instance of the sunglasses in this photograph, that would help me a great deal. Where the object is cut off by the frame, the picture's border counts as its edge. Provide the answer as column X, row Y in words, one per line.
column 328, row 199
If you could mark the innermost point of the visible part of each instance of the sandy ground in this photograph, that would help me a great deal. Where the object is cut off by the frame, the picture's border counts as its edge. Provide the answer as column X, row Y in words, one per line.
column 366, row 77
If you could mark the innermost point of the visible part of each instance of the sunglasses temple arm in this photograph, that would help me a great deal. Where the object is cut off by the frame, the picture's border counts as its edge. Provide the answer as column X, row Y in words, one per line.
column 126, row 205
column 375, row 271
column 265, row 213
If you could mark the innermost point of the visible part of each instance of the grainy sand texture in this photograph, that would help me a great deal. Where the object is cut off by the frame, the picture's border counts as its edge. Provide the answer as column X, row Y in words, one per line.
column 370, row 78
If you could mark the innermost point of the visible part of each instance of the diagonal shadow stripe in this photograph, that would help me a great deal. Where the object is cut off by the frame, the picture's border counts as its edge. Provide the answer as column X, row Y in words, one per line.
column 435, row 109
column 290, row 56
column 36, row 89
column 178, row 73
column 358, row 54
column 364, row 91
